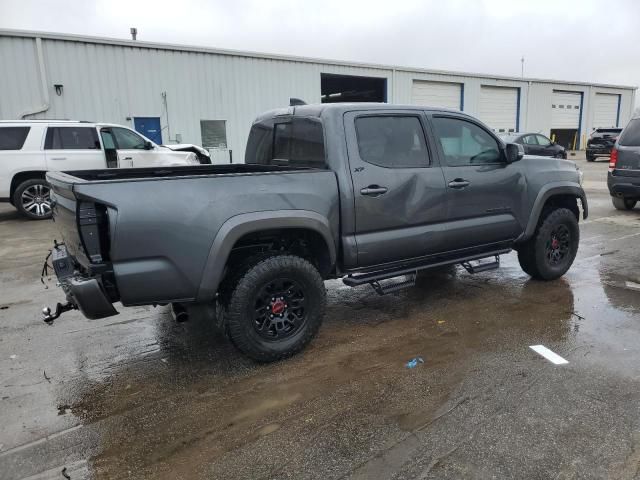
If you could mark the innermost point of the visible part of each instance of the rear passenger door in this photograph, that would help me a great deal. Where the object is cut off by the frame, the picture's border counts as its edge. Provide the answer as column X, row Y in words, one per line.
column 485, row 194
column 399, row 192
column 73, row 148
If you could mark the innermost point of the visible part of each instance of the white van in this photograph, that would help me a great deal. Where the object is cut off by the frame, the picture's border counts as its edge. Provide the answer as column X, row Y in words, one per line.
column 29, row 148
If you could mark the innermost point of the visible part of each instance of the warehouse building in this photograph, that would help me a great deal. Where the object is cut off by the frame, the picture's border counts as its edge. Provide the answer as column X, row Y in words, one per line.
column 180, row 94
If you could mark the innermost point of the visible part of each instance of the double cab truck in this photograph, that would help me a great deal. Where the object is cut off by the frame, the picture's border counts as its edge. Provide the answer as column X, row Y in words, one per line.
column 370, row 193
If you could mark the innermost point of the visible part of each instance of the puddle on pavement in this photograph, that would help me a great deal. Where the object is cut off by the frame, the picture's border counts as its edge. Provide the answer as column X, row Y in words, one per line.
column 194, row 397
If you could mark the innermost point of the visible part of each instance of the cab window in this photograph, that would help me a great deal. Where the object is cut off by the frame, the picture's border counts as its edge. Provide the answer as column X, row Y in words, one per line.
column 464, row 143
column 392, row 141
column 128, row 140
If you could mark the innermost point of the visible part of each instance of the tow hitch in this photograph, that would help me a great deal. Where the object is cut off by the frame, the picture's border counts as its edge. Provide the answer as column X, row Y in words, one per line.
column 49, row 317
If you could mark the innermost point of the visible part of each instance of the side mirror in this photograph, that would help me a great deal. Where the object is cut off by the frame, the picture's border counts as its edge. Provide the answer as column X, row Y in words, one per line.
column 514, row 152
column 148, row 145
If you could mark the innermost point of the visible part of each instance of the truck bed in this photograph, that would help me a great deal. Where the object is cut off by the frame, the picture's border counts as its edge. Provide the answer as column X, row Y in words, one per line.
column 155, row 228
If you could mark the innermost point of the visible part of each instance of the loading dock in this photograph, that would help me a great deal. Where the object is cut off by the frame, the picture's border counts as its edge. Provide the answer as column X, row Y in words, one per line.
column 566, row 118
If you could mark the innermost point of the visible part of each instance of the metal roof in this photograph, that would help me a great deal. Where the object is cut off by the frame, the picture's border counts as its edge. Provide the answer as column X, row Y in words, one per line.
column 270, row 56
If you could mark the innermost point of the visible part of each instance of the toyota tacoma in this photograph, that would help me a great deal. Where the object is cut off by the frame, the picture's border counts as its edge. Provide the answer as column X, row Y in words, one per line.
column 370, row 193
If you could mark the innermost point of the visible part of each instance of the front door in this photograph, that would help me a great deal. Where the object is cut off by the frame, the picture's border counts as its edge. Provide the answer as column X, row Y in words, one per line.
column 149, row 127
column 399, row 189
column 133, row 150
column 485, row 194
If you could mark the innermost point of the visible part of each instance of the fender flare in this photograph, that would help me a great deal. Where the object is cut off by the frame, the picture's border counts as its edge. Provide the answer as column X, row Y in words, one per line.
column 236, row 227
column 548, row 191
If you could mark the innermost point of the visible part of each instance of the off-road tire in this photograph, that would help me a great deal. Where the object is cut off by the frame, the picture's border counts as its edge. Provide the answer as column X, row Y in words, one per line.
column 623, row 203
column 31, row 186
column 237, row 299
column 534, row 254
column 591, row 158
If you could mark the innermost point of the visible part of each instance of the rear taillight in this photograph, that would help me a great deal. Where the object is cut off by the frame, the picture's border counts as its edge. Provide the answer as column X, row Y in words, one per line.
column 613, row 160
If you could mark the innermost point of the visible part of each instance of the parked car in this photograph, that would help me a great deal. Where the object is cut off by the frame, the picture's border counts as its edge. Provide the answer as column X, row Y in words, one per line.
column 372, row 193
column 536, row 144
column 623, row 178
column 30, row 148
column 600, row 142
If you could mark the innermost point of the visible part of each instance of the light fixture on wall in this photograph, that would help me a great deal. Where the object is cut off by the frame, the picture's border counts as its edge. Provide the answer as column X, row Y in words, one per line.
column 58, row 88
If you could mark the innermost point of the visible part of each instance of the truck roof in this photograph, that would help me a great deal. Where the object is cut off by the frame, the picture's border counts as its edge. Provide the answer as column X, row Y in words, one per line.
column 320, row 109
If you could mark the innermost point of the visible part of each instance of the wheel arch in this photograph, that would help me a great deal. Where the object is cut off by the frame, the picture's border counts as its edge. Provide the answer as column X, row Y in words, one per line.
column 561, row 195
column 239, row 227
column 20, row 177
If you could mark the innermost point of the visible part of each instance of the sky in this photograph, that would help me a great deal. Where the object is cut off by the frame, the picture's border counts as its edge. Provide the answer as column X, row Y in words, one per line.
column 581, row 40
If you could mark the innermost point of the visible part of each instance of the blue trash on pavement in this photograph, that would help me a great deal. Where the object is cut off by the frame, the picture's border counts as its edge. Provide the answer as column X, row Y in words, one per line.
column 413, row 363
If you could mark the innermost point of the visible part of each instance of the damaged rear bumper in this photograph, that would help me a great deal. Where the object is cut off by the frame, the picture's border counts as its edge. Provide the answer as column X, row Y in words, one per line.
column 85, row 292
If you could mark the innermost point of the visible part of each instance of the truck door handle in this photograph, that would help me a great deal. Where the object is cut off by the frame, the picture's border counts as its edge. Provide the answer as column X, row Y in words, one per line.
column 58, row 158
column 128, row 158
column 374, row 190
column 459, row 183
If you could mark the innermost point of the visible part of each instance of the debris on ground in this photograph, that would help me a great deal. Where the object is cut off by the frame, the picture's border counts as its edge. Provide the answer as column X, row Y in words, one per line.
column 65, row 474
column 413, row 363
column 48, row 379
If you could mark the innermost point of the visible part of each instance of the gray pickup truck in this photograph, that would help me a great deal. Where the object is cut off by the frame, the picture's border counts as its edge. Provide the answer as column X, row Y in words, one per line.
column 371, row 193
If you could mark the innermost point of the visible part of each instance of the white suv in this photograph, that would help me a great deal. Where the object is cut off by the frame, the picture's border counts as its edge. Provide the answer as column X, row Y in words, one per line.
column 29, row 148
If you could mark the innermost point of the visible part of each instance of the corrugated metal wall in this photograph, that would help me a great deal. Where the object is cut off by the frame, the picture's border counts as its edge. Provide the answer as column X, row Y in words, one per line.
column 110, row 83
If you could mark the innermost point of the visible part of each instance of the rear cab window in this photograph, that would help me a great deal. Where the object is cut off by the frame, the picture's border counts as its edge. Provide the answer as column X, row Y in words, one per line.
column 631, row 134
column 71, row 138
column 392, row 141
column 296, row 142
column 13, row 138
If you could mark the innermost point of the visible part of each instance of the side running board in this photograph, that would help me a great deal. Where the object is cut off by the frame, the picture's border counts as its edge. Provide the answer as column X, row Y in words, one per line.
column 375, row 279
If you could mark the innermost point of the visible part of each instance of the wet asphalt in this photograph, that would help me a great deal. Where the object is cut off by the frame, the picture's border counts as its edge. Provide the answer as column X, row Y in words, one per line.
column 141, row 396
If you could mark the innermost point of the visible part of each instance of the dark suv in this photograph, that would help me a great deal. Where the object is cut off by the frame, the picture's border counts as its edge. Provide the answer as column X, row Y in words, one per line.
column 601, row 141
column 623, row 179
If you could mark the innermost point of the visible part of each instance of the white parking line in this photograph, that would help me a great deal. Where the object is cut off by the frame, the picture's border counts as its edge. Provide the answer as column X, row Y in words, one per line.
column 548, row 354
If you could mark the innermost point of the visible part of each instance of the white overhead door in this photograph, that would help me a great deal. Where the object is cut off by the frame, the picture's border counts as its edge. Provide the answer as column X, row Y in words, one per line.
column 605, row 110
column 499, row 108
column 565, row 110
column 437, row 94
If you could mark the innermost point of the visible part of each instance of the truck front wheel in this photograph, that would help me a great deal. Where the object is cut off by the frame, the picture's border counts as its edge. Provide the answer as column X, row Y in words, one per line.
column 274, row 307
column 554, row 245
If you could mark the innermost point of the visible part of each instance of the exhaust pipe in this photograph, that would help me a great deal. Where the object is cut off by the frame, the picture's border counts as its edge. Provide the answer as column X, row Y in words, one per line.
column 179, row 312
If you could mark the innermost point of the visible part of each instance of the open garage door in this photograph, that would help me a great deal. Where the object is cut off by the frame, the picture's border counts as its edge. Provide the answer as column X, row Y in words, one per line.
column 606, row 110
column 566, row 108
column 351, row 88
column 437, row 94
column 499, row 108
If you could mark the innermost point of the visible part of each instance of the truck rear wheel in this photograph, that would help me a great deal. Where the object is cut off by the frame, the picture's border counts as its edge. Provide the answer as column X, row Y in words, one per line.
column 554, row 245
column 623, row 203
column 274, row 308
column 32, row 199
